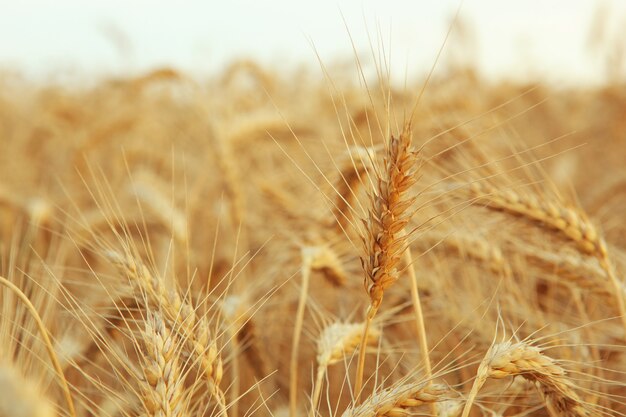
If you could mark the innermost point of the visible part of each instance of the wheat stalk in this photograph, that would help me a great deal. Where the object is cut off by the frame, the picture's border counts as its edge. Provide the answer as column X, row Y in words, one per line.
column 313, row 257
column 243, row 341
column 510, row 359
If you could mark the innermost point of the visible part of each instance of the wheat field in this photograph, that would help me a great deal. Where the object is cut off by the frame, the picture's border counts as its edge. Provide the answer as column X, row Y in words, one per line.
column 296, row 244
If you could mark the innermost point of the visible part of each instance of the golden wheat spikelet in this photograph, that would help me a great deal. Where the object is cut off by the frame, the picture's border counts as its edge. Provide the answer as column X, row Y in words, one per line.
column 163, row 392
column 389, row 214
column 397, row 401
column 510, row 359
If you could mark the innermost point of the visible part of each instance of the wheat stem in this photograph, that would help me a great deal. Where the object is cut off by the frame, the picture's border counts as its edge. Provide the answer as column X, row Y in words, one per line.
column 358, row 385
column 307, row 259
column 317, row 390
column 235, row 386
column 420, row 328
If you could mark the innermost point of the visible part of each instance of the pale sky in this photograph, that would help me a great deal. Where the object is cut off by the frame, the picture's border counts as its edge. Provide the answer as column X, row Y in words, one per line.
column 513, row 38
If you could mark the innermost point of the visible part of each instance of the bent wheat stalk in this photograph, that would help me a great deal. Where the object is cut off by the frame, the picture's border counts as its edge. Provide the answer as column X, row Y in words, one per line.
column 47, row 342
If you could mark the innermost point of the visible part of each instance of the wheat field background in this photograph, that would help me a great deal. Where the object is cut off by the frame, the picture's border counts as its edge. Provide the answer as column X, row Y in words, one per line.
column 312, row 243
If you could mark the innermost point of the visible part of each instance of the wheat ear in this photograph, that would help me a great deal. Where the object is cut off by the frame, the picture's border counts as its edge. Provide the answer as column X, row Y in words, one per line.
column 47, row 342
column 162, row 391
column 384, row 237
column 466, row 245
column 145, row 189
column 335, row 342
column 326, row 261
column 193, row 331
column 572, row 223
column 397, row 401
column 510, row 359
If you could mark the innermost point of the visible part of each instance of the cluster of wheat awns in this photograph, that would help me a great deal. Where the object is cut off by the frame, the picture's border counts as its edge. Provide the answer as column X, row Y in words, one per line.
column 177, row 248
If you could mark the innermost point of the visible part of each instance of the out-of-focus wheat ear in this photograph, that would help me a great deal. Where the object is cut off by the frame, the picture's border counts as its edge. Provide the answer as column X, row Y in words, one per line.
column 334, row 343
column 233, row 185
column 510, row 359
column 577, row 271
column 21, row 397
column 466, row 245
column 163, row 386
column 46, row 340
column 38, row 209
column 384, row 236
column 325, row 260
column 571, row 223
column 282, row 202
column 146, row 190
column 449, row 408
column 353, row 170
column 398, row 401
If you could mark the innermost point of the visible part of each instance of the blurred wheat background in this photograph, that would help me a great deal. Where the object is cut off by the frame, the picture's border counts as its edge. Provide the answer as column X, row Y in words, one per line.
column 329, row 239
